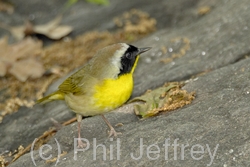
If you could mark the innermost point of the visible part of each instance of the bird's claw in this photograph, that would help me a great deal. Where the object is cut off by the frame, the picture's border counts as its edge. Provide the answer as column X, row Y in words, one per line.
column 81, row 144
column 112, row 132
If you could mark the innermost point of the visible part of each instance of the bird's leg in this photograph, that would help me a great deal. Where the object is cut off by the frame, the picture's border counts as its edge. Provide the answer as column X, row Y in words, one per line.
column 79, row 120
column 112, row 131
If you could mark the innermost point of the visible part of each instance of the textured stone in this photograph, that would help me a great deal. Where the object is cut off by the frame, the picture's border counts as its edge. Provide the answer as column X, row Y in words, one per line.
column 218, row 45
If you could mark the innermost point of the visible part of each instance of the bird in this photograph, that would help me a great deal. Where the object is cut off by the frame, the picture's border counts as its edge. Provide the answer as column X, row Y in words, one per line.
column 101, row 85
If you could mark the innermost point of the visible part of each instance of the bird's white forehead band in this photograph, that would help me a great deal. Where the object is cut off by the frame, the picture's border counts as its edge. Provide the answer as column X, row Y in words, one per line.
column 116, row 59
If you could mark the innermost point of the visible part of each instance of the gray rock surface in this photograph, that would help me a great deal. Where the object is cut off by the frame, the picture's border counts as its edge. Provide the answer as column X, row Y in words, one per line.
column 217, row 121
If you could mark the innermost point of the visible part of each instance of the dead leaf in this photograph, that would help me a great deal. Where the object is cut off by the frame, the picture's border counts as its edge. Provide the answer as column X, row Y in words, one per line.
column 17, row 32
column 43, row 29
column 59, row 32
column 20, row 59
column 52, row 29
column 6, row 7
column 24, row 69
column 3, row 69
column 166, row 98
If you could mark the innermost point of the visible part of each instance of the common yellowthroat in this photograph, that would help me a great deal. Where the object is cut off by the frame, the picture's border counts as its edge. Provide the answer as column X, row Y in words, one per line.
column 101, row 85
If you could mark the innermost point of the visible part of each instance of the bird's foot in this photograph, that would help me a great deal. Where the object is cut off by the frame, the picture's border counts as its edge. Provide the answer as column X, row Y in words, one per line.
column 112, row 132
column 81, row 144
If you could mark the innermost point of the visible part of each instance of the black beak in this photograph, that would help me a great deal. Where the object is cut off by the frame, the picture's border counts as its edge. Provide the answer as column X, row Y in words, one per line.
column 142, row 50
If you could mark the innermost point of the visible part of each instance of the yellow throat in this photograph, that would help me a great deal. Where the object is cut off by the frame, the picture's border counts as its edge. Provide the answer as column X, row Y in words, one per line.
column 112, row 93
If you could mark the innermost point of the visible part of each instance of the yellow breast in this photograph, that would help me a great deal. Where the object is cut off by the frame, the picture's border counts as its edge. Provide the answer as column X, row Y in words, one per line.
column 112, row 93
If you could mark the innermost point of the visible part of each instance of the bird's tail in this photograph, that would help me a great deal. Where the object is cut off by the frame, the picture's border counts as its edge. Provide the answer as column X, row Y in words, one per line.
column 51, row 97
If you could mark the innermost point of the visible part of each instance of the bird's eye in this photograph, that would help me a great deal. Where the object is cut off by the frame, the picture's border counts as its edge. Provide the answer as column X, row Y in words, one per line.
column 128, row 55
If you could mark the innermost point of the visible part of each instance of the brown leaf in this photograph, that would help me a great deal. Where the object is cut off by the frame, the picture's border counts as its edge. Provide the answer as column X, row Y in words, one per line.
column 19, row 59
column 18, row 32
column 24, row 69
column 4, row 41
column 3, row 69
column 52, row 29
column 6, row 7
column 45, row 28
column 23, row 49
column 59, row 32
column 166, row 98
column 5, row 58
